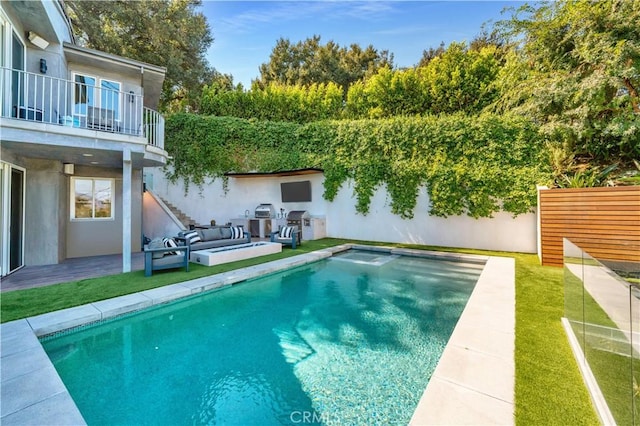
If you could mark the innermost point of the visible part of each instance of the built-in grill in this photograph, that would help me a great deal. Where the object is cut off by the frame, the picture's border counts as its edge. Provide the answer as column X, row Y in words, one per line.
column 299, row 218
column 265, row 211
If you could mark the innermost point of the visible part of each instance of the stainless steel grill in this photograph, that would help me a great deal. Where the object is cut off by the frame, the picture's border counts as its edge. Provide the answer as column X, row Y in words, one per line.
column 298, row 218
column 265, row 211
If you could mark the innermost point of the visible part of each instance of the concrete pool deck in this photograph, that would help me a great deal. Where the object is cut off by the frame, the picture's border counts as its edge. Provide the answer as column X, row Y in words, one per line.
column 473, row 382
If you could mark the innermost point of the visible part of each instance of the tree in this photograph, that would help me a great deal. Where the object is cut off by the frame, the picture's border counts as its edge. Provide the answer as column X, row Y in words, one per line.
column 168, row 33
column 308, row 62
column 457, row 80
column 462, row 79
column 431, row 54
column 577, row 73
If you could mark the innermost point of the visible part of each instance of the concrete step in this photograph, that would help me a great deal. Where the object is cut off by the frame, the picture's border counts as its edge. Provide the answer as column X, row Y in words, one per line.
column 186, row 220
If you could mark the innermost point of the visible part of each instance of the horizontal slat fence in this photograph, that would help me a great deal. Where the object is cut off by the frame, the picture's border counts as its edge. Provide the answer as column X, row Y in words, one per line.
column 604, row 222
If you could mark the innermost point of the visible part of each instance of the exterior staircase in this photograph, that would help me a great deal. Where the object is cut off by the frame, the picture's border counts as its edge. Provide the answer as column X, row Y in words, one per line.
column 183, row 218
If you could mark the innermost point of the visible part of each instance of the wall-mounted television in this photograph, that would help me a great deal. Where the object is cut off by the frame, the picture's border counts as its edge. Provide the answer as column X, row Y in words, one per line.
column 295, row 191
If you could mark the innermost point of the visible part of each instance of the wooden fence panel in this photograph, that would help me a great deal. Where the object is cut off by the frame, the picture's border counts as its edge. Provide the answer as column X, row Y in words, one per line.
column 605, row 222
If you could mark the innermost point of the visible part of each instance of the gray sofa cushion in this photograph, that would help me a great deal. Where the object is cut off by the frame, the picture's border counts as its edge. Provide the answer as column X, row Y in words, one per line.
column 169, row 259
column 156, row 243
column 211, row 234
column 223, row 242
column 226, row 232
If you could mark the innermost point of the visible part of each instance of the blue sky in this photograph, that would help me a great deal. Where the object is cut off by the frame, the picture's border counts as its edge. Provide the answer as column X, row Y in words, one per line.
column 246, row 32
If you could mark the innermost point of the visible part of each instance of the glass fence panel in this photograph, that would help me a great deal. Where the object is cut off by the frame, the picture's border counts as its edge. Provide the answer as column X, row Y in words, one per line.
column 604, row 311
column 574, row 289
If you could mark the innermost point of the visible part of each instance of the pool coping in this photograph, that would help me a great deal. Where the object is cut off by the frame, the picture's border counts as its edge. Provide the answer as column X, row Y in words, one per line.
column 32, row 392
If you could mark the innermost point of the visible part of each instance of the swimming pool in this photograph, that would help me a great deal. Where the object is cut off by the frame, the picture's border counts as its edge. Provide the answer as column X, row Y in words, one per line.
column 353, row 339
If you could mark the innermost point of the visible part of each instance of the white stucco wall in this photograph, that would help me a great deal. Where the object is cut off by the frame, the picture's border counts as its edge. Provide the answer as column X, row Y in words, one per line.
column 244, row 194
column 502, row 232
column 156, row 223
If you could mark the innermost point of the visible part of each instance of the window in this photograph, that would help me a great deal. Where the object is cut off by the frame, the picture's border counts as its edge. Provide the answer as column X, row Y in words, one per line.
column 91, row 198
column 110, row 97
column 85, row 93
column 93, row 92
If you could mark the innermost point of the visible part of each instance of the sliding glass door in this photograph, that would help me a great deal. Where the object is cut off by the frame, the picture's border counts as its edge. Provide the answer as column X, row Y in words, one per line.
column 12, row 187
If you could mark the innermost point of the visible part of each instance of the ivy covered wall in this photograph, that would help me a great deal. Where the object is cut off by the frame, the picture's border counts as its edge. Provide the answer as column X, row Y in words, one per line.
column 474, row 165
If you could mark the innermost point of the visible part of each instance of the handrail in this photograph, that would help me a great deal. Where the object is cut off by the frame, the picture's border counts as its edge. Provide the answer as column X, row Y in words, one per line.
column 41, row 98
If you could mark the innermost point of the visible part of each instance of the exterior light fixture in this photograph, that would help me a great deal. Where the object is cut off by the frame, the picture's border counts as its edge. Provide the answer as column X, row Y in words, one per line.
column 37, row 40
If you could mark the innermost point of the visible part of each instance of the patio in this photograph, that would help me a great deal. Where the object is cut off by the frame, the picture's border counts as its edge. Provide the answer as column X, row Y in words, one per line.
column 74, row 269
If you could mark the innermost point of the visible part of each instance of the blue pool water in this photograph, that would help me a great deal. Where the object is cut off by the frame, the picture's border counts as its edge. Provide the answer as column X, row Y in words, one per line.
column 348, row 340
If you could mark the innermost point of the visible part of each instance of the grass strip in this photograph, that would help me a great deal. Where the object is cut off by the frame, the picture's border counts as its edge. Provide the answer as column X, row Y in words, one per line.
column 549, row 389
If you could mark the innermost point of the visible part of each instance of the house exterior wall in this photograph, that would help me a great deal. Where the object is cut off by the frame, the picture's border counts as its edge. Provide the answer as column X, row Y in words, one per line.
column 44, row 206
column 99, row 237
column 54, row 55
column 42, row 130
column 502, row 232
column 50, row 235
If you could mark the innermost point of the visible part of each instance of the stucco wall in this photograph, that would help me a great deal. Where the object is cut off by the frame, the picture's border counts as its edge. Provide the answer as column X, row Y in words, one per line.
column 156, row 223
column 502, row 232
column 93, row 238
column 44, row 208
column 244, row 194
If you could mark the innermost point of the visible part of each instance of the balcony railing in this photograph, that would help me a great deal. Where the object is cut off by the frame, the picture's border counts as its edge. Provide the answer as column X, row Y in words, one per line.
column 40, row 98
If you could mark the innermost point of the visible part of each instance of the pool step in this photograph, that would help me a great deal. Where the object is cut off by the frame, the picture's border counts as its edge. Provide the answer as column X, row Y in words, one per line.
column 294, row 347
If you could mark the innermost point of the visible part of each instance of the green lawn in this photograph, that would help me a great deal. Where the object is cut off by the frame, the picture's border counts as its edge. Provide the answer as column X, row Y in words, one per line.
column 549, row 389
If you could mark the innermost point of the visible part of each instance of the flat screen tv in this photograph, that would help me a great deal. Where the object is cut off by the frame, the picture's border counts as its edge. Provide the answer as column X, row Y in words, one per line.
column 295, row 191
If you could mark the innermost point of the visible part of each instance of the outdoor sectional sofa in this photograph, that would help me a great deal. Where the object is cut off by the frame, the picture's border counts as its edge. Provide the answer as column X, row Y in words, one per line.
column 214, row 237
column 166, row 253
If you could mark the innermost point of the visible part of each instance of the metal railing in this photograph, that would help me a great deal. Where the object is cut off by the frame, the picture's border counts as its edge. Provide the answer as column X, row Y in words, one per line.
column 40, row 98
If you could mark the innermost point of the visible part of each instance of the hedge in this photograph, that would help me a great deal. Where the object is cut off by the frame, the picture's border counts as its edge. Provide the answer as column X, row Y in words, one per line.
column 474, row 165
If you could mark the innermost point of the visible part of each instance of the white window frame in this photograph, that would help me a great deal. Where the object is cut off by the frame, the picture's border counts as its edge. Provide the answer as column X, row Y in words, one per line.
column 6, row 59
column 97, row 94
column 72, row 199
column 6, row 40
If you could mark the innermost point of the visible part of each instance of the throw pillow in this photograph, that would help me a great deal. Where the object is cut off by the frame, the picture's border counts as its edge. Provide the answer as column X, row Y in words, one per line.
column 236, row 232
column 170, row 242
column 192, row 237
column 286, row 231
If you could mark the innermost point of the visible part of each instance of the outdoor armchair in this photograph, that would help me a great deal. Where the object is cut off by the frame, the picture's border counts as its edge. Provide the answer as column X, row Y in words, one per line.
column 158, row 254
column 286, row 235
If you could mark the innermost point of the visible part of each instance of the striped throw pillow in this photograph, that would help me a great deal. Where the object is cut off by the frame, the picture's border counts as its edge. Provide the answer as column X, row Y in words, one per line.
column 286, row 231
column 236, row 232
column 192, row 237
column 170, row 242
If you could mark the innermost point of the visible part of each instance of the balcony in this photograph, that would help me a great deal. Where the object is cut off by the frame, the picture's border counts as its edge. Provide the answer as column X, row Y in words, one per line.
column 43, row 99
